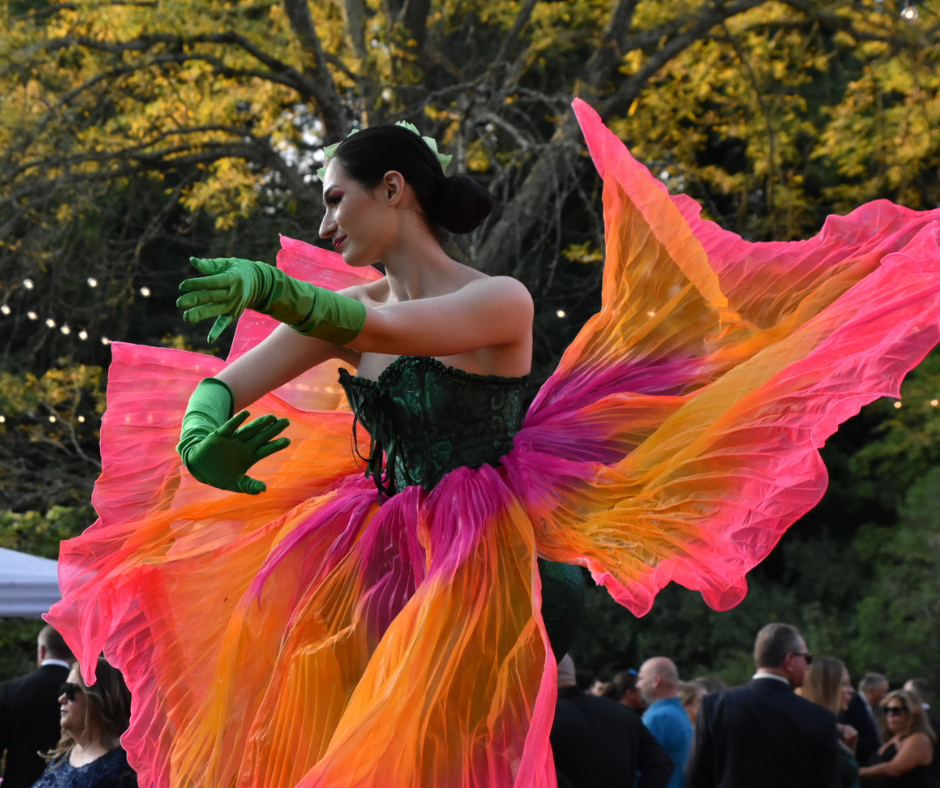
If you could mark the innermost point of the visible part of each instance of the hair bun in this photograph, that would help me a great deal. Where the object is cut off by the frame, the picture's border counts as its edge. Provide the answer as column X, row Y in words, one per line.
column 461, row 204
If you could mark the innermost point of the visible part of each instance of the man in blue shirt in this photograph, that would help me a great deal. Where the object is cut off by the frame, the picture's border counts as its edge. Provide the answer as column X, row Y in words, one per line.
column 665, row 717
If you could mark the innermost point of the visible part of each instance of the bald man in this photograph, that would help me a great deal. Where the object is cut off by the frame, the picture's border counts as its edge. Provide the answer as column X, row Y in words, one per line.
column 665, row 716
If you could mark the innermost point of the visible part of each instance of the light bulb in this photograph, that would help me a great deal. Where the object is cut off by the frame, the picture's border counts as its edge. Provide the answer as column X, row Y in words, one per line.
column 909, row 12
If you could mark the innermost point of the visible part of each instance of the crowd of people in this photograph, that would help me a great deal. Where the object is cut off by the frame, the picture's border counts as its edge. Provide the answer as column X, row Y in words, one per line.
column 799, row 722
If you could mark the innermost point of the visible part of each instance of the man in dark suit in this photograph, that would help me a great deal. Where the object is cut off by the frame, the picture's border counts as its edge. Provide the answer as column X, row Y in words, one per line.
column 29, row 711
column 599, row 743
column 763, row 734
column 862, row 714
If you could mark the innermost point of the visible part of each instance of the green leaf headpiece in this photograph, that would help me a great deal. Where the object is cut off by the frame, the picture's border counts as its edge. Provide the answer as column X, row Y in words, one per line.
column 329, row 150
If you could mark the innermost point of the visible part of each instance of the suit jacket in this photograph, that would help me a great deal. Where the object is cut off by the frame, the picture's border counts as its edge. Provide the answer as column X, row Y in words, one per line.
column 598, row 743
column 859, row 717
column 763, row 734
column 29, row 722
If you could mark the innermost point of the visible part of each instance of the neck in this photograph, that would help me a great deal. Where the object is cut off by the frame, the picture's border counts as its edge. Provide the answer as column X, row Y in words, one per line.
column 417, row 267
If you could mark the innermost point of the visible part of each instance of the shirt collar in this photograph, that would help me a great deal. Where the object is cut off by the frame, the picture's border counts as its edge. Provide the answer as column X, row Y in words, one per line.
column 60, row 662
column 775, row 676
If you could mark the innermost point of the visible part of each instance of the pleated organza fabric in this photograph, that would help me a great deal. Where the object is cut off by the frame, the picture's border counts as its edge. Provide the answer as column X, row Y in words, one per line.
column 309, row 636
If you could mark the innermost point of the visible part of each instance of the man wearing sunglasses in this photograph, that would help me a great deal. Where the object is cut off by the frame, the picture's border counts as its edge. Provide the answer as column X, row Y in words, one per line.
column 29, row 711
column 764, row 734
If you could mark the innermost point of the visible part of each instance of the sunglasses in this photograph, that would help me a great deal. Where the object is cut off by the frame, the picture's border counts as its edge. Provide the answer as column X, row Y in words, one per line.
column 807, row 656
column 70, row 690
column 895, row 711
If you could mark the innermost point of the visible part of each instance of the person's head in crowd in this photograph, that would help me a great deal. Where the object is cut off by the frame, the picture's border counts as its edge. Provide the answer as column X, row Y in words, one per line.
column 874, row 686
column 781, row 650
column 567, row 676
column 51, row 645
column 904, row 714
column 624, row 691
column 92, row 716
column 598, row 686
column 711, row 683
column 691, row 695
column 922, row 688
column 658, row 679
column 827, row 684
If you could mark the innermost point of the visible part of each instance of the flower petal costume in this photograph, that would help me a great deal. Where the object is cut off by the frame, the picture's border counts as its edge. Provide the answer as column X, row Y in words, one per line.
column 313, row 636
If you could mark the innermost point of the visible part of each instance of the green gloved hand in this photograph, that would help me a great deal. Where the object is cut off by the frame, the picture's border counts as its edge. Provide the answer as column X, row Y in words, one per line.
column 234, row 285
column 218, row 450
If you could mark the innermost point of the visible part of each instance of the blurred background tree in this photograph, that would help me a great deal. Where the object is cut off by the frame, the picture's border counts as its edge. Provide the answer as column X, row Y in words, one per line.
column 135, row 133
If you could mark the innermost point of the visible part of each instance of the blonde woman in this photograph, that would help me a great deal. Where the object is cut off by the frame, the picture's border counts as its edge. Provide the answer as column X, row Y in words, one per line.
column 904, row 758
column 827, row 684
column 89, row 754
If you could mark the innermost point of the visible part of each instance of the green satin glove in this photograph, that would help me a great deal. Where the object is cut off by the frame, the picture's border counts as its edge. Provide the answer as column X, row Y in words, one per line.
column 218, row 450
column 233, row 285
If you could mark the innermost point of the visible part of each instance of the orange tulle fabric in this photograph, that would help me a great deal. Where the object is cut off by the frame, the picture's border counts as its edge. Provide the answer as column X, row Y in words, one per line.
column 311, row 636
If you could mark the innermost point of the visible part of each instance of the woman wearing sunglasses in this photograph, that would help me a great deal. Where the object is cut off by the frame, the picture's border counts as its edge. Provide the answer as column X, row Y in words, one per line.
column 89, row 754
column 903, row 759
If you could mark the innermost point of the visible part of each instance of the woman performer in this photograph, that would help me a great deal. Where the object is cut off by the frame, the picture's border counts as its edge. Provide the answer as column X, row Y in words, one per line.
column 312, row 635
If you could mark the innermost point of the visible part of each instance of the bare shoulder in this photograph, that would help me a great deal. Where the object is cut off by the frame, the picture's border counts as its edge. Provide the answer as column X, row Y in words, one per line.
column 371, row 294
column 504, row 289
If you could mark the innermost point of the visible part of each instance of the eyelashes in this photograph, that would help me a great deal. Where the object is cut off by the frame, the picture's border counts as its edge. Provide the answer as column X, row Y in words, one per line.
column 333, row 200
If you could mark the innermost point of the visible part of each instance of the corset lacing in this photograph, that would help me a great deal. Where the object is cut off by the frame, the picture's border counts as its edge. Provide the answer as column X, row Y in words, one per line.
column 383, row 443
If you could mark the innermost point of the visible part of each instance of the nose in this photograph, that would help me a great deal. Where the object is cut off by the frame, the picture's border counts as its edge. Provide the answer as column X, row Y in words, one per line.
column 328, row 225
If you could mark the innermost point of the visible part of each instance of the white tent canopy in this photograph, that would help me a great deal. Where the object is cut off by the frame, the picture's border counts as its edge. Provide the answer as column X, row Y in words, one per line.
column 29, row 585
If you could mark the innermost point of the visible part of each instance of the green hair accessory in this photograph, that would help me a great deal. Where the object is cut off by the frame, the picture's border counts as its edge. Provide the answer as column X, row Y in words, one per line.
column 330, row 150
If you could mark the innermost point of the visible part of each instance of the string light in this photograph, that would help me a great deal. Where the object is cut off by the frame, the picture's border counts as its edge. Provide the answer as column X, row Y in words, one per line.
column 28, row 284
column 83, row 334
column 52, row 419
column 561, row 313
column 897, row 405
column 145, row 292
column 105, row 341
column 3, row 419
column 5, row 309
column 50, row 323
column 32, row 315
column 92, row 282
column 909, row 12
column 935, row 402
column 66, row 330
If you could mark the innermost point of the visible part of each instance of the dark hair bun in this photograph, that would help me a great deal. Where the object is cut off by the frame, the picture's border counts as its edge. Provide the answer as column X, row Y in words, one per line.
column 461, row 204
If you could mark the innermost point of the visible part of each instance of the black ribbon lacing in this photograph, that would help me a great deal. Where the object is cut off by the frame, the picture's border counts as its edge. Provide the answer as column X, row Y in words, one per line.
column 383, row 445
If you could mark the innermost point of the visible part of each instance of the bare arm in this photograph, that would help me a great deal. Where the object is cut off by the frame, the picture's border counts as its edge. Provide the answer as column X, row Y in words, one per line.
column 915, row 750
column 277, row 360
column 487, row 312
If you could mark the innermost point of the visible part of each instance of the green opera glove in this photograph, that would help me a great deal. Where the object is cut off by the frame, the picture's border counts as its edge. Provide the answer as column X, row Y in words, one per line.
column 218, row 450
column 233, row 285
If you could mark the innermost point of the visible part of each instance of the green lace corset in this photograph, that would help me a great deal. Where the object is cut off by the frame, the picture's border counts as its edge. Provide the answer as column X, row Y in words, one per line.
column 426, row 419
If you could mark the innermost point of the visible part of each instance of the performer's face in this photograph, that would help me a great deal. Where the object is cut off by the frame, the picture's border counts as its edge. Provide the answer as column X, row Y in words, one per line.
column 360, row 221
